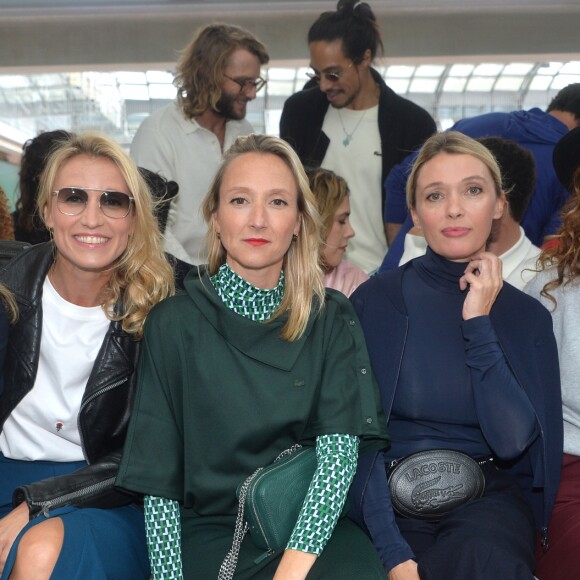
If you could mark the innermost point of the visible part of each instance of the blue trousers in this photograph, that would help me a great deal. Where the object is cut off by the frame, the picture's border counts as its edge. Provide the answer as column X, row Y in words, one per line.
column 489, row 538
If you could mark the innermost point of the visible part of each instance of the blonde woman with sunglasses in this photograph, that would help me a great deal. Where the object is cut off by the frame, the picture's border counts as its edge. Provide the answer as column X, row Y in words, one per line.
column 69, row 376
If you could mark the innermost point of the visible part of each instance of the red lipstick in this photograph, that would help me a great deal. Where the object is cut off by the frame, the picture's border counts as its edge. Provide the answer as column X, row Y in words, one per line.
column 256, row 241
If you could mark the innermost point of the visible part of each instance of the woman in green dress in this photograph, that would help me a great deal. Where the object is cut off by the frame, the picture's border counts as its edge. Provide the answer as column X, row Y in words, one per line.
column 252, row 359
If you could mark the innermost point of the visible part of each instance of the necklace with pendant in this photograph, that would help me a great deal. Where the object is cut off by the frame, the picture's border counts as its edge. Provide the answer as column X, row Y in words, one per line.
column 349, row 136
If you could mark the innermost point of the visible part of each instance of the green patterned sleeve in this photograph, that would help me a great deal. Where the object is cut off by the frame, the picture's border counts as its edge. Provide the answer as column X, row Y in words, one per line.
column 163, row 528
column 336, row 465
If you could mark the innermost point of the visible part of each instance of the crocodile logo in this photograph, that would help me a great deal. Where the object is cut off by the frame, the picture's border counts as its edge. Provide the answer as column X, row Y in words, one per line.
column 425, row 496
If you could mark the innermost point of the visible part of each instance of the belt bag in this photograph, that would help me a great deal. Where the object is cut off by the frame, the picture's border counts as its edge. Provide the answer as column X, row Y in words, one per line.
column 429, row 484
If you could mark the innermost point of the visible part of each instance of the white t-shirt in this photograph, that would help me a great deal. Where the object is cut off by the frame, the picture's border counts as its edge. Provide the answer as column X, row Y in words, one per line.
column 43, row 426
column 183, row 151
column 354, row 153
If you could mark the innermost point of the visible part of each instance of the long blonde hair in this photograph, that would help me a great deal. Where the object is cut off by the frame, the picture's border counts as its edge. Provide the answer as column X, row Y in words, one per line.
column 301, row 267
column 141, row 276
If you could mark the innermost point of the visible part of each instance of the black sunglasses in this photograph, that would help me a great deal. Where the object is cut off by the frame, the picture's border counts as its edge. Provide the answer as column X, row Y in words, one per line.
column 333, row 77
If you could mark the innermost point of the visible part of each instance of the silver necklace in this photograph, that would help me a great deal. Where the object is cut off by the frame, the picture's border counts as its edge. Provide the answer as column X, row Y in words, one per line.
column 348, row 136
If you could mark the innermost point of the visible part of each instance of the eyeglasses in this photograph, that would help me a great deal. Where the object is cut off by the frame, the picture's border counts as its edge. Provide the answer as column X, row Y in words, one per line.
column 249, row 84
column 74, row 200
column 333, row 77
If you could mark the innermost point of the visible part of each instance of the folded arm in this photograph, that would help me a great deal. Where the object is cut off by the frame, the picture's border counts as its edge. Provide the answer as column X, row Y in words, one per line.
column 90, row 486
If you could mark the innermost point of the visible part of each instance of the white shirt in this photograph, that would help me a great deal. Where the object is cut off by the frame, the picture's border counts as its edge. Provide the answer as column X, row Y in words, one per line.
column 43, row 426
column 359, row 162
column 183, row 151
column 518, row 263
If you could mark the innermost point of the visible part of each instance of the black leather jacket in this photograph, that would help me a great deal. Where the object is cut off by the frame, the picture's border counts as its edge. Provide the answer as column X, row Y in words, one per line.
column 106, row 403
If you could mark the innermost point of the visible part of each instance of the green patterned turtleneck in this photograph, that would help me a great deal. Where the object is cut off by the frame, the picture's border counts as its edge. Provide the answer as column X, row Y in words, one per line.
column 244, row 298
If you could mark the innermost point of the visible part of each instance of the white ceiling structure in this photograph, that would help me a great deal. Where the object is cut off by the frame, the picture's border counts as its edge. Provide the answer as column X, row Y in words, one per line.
column 110, row 33
column 79, row 45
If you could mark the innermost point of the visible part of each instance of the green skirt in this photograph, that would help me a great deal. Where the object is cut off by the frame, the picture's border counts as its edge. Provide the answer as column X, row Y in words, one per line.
column 349, row 554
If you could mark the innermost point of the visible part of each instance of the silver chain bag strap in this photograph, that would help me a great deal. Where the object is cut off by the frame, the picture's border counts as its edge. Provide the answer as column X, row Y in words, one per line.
column 228, row 567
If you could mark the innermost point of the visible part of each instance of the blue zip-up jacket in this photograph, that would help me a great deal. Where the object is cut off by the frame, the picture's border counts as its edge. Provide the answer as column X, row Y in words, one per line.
column 524, row 330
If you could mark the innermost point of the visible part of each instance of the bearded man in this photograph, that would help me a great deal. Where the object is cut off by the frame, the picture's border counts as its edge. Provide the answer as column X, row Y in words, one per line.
column 217, row 74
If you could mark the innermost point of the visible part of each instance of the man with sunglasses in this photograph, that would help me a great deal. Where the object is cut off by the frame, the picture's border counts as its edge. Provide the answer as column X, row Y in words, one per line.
column 352, row 122
column 217, row 75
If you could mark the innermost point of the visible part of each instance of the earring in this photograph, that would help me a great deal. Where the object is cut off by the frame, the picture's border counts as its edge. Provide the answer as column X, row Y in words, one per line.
column 294, row 237
column 219, row 237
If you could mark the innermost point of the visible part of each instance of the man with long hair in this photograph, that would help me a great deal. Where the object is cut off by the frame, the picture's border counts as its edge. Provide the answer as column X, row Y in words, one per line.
column 217, row 74
column 351, row 122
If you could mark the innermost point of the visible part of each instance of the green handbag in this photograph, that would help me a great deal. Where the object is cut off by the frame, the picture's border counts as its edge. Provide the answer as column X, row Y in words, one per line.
column 269, row 503
column 274, row 497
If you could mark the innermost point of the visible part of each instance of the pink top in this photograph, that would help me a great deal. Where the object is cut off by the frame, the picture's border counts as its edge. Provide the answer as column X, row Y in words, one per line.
column 346, row 278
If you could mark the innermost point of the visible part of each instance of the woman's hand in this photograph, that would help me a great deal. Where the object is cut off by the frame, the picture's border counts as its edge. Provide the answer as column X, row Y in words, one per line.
column 483, row 277
column 10, row 526
column 294, row 565
column 404, row 571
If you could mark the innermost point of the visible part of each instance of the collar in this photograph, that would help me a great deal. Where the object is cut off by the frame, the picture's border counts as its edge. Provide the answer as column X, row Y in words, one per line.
column 438, row 272
column 513, row 258
column 256, row 340
column 246, row 299
column 233, row 127
column 27, row 289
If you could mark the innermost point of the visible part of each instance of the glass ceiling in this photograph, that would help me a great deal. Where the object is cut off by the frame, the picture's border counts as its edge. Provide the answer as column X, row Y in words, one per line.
column 117, row 102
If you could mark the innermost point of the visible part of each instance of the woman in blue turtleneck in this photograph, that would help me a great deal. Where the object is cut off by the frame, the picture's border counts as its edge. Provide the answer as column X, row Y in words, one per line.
column 466, row 363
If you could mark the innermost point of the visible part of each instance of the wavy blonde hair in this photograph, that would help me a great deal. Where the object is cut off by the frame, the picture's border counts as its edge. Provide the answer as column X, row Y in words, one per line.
column 564, row 251
column 141, row 276
column 329, row 190
column 200, row 69
column 302, row 271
